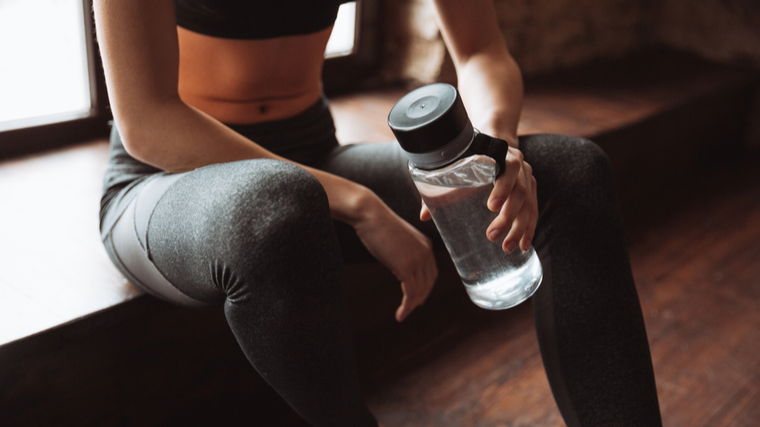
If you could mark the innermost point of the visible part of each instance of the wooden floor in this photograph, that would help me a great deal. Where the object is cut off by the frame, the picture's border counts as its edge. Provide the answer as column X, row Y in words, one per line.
column 698, row 275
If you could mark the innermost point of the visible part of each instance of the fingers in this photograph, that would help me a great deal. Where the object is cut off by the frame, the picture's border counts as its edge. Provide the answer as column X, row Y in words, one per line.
column 505, row 183
column 518, row 216
column 404, row 250
column 409, row 301
column 509, row 213
column 517, row 231
column 415, row 294
column 525, row 221
column 527, row 238
column 425, row 213
column 403, row 310
column 417, row 289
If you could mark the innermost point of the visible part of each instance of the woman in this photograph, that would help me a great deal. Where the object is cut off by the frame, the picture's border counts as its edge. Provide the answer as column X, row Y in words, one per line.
column 225, row 178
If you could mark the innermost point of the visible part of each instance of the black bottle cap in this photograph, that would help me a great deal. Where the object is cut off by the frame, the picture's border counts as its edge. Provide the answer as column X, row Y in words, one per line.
column 431, row 125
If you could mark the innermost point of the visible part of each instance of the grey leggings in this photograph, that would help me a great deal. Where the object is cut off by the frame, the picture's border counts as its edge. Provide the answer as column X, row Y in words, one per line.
column 256, row 237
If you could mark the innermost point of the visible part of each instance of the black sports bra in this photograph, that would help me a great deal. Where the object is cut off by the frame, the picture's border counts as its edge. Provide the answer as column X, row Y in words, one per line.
column 256, row 19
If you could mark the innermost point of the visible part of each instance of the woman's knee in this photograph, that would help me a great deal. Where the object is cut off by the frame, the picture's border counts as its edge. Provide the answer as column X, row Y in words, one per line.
column 567, row 163
column 263, row 202
column 591, row 159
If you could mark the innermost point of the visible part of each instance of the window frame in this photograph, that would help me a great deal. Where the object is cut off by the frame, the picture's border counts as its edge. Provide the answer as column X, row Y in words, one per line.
column 27, row 140
column 355, row 71
column 340, row 74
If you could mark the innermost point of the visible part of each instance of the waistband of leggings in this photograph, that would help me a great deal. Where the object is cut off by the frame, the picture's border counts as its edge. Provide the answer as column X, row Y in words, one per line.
column 314, row 127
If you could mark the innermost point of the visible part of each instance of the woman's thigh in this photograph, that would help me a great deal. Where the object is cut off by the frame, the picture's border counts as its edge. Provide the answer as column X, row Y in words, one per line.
column 195, row 237
column 126, row 243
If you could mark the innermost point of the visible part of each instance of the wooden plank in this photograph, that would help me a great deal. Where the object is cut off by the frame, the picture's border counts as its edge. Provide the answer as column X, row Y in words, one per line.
column 28, row 317
column 51, row 250
column 144, row 363
column 364, row 117
column 612, row 93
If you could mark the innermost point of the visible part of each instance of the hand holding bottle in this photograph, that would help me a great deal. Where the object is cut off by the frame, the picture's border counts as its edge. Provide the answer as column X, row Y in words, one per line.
column 517, row 186
column 471, row 184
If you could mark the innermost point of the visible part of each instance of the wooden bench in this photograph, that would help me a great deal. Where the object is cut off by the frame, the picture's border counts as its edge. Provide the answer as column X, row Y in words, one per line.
column 75, row 334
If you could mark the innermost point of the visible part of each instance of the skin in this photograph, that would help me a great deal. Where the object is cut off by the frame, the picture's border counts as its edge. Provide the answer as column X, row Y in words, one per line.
column 170, row 113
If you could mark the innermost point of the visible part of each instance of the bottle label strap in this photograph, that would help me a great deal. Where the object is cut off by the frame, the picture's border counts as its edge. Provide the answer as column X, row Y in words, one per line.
column 494, row 148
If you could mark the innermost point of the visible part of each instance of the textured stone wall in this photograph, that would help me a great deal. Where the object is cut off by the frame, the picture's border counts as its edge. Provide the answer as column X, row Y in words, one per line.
column 413, row 50
column 723, row 30
column 541, row 34
column 545, row 34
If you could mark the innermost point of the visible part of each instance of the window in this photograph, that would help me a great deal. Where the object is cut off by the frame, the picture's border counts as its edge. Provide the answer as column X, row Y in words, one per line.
column 52, row 88
column 342, row 39
column 354, row 65
column 44, row 75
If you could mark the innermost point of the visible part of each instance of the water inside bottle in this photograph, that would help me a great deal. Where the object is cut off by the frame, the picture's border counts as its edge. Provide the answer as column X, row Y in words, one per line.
column 493, row 279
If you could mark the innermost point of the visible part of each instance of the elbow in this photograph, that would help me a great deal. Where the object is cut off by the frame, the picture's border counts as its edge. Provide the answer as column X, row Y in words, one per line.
column 135, row 140
column 140, row 130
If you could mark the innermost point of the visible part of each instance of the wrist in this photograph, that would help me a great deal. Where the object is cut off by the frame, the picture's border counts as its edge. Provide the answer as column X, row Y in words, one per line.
column 497, row 129
column 349, row 202
column 357, row 206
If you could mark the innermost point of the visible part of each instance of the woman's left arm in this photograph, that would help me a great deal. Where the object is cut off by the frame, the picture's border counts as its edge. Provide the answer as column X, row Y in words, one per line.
column 490, row 81
column 491, row 87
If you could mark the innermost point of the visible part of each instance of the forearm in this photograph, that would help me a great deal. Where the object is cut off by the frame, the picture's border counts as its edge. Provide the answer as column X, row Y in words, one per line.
column 491, row 87
column 177, row 138
column 140, row 49
column 489, row 79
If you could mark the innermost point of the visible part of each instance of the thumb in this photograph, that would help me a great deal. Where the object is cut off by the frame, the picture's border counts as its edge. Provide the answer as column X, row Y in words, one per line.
column 403, row 309
column 425, row 213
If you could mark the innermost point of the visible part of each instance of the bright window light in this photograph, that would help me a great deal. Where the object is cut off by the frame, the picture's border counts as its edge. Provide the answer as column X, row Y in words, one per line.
column 342, row 38
column 43, row 62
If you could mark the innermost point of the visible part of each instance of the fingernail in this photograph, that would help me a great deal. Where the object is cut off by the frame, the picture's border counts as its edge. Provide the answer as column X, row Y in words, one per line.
column 496, row 204
column 494, row 234
column 511, row 246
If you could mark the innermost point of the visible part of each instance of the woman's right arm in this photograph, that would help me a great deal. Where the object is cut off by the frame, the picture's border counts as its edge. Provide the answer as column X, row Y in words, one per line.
column 140, row 49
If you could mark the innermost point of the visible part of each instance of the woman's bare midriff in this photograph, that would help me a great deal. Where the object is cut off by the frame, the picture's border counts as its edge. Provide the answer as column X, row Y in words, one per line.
column 251, row 81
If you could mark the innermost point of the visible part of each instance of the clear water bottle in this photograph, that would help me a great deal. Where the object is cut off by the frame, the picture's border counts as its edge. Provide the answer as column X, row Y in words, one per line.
column 454, row 167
